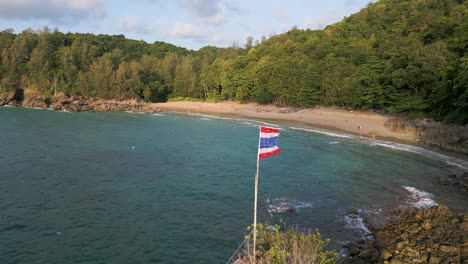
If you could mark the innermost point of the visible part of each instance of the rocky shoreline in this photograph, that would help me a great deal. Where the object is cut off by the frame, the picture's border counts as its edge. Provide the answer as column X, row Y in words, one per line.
column 61, row 102
column 412, row 235
column 443, row 136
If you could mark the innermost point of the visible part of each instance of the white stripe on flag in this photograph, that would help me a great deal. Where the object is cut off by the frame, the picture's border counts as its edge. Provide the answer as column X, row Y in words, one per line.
column 269, row 135
column 265, row 150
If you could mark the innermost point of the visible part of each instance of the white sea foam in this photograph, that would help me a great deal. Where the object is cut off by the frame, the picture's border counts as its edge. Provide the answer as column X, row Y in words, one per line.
column 7, row 106
column 420, row 199
column 284, row 205
column 34, row 107
column 209, row 116
column 135, row 112
column 333, row 142
column 455, row 164
column 321, row 131
column 269, row 124
column 249, row 124
column 156, row 114
column 396, row 146
column 421, row 151
column 356, row 221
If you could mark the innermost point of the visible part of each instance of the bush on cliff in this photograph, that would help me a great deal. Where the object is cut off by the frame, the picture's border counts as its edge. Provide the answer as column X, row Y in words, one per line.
column 278, row 245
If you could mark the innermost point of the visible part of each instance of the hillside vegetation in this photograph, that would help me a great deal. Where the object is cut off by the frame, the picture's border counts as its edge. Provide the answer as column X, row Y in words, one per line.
column 396, row 56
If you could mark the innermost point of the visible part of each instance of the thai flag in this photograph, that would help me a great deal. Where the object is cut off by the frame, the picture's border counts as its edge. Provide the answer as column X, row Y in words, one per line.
column 267, row 144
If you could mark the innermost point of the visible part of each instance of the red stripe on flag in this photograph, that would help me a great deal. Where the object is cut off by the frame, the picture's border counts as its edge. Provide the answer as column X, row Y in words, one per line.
column 268, row 154
column 268, row 130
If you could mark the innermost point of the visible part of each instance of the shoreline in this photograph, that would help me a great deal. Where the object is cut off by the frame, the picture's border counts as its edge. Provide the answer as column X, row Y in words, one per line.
column 328, row 119
column 359, row 123
column 367, row 125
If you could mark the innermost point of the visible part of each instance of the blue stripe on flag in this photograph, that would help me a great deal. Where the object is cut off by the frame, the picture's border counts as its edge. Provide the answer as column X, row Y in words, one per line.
column 268, row 142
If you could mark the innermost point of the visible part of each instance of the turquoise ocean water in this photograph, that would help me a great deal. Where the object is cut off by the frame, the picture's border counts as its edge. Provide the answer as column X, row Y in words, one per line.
column 176, row 188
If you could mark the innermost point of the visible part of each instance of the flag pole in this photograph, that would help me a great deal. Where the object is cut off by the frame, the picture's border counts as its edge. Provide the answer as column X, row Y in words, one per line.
column 255, row 199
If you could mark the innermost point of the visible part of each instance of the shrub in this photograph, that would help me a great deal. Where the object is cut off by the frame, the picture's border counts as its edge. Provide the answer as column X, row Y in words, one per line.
column 278, row 246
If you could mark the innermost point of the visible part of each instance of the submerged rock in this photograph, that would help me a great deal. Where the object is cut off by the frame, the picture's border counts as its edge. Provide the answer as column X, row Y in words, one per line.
column 458, row 180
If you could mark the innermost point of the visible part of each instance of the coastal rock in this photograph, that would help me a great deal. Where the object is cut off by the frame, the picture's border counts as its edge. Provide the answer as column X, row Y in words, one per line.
column 33, row 98
column 458, row 180
column 430, row 235
column 6, row 97
column 448, row 137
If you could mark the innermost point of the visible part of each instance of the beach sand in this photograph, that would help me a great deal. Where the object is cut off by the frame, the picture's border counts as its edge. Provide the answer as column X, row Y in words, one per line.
column 366, row 123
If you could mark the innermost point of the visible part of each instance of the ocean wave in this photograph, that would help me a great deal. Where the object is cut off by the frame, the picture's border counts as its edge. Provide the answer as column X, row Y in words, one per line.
column 396, row 146
column 157, row 114
column 248, row 123
column 136, row 112
column 269, row 124
column 321, row 131
column 34, row 107
column 7, row 106
column 421, row 151
column 210, row 116
column 420, row 199
column 333, row 142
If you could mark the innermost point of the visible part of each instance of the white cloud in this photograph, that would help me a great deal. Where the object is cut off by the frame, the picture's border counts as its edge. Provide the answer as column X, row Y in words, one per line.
column 325, row 19
column 202, row 35
column 133, row 24
column 190, row 31
column 62, row 11
column 206, row 11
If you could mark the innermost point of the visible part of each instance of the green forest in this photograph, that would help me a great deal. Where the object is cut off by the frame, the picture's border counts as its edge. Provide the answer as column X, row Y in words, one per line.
column 393, row 56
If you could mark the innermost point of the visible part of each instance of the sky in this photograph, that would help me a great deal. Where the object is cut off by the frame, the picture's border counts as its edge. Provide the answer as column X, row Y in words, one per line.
column 191, row 24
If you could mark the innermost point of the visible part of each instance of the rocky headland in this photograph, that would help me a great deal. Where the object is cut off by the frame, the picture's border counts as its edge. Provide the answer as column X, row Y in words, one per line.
column 436, row 134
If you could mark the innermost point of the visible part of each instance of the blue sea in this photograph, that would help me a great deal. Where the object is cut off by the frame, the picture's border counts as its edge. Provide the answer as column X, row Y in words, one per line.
column 178, row 188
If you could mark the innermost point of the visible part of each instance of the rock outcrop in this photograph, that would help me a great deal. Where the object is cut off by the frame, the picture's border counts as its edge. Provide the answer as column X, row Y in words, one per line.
column 430, row 235
column 7, row 97
column 62, row 102
column 447, row 137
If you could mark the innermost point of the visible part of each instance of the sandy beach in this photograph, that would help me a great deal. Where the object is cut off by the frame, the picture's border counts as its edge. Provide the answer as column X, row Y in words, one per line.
column 365, row 123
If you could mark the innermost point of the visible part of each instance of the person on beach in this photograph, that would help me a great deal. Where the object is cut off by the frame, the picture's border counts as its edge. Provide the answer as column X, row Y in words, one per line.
column 359, row 128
